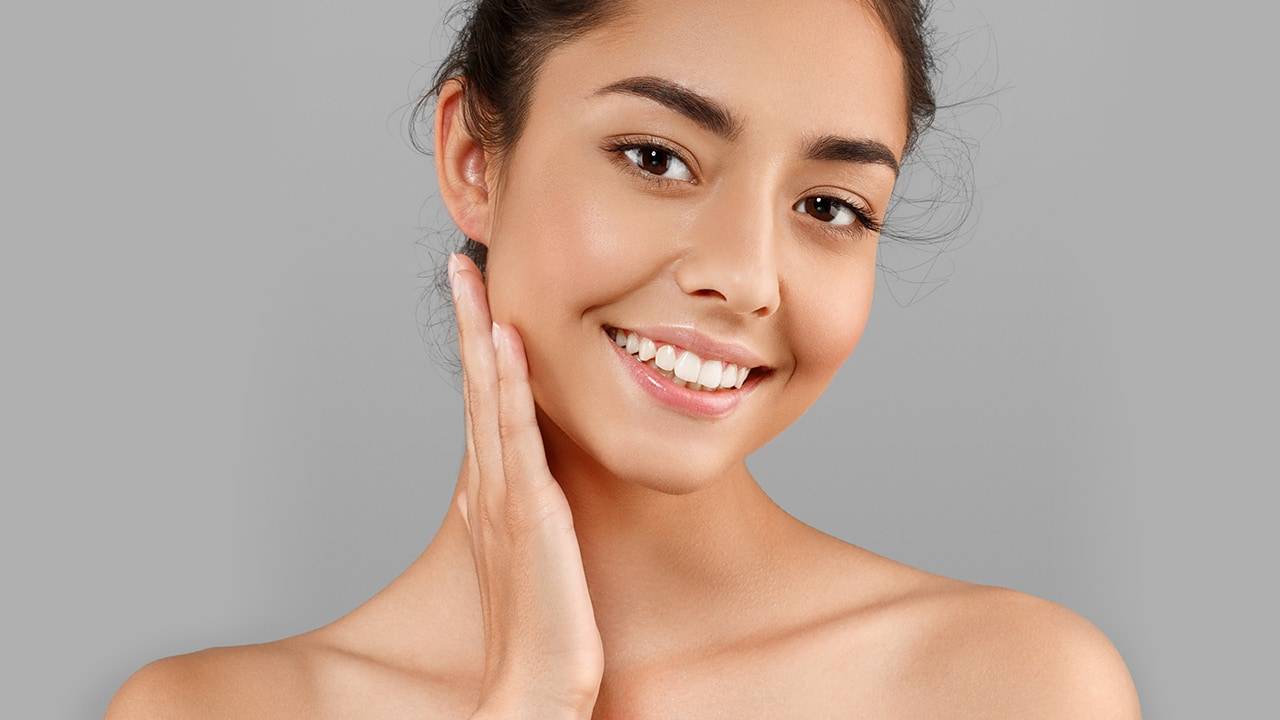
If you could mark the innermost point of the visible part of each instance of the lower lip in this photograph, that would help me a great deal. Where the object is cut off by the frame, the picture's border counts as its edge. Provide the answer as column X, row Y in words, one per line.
column 697, row 403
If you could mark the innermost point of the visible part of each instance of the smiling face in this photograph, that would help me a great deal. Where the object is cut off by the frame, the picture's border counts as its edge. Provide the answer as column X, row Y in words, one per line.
column 617, row 209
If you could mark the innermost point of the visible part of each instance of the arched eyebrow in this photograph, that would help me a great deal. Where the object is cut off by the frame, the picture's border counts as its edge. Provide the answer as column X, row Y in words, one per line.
column 716, row 118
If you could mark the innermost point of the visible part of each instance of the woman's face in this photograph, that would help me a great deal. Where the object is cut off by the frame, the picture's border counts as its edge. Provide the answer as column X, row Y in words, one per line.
column 729, row 235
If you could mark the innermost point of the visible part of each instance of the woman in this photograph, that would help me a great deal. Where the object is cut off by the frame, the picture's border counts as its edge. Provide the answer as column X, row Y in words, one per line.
column 672, row 212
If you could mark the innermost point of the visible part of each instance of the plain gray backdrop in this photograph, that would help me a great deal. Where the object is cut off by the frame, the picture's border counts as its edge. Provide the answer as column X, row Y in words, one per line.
column 221, row 425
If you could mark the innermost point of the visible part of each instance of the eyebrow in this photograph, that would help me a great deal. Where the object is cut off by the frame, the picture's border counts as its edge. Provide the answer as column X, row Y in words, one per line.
column 716, row 118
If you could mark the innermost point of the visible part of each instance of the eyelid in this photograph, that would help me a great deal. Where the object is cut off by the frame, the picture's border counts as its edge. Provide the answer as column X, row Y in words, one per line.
column 853, row 200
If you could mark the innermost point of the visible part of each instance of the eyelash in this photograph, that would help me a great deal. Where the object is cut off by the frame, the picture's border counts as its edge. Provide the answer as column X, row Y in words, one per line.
column 865, row 222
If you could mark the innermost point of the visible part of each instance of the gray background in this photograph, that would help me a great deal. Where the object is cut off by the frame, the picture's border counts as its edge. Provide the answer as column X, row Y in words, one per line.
column 220, row 424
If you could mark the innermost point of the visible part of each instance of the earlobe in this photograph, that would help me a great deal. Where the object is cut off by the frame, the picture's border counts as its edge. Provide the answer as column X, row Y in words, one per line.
column 460, row 166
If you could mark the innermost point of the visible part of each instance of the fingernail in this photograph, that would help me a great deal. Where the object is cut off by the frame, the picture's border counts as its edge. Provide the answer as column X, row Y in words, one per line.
column 494, row 331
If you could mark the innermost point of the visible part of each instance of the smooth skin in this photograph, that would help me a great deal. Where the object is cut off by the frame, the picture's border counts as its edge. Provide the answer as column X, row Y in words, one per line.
column 709, row 600
column 543, row 652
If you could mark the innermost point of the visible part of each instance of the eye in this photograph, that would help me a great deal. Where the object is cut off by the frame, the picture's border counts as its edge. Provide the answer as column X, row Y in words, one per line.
column 845, row 213
column 653, row 161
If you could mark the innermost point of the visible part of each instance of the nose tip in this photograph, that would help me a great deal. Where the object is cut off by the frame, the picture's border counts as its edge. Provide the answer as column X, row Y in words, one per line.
column 741, row 308
column 731, row 250
column 747, row 286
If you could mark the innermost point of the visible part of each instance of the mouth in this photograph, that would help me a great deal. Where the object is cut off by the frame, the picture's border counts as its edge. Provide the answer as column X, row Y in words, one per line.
column 660, row 376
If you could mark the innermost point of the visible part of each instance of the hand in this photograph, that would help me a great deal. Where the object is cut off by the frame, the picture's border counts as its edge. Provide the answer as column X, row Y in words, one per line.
column 543, row 654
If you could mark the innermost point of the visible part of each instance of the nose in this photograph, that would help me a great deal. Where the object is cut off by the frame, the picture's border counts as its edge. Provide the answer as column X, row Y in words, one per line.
column 733, row 253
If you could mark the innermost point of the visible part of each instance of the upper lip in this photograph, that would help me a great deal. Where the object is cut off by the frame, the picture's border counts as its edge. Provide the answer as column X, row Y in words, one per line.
column 703, row 346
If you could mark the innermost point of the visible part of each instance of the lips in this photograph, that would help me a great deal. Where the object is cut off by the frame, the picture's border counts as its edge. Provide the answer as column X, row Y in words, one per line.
column 701, row 404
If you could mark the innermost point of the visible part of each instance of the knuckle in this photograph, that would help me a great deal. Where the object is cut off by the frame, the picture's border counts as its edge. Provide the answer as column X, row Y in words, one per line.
column 512, row 429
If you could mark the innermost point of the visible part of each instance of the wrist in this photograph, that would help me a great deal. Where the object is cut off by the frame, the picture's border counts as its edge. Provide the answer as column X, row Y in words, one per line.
column 525, row 713
column 523, row 700
column 526, row 703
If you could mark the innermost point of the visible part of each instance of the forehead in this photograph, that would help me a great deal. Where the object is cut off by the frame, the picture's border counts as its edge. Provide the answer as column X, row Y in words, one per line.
column 784, row 68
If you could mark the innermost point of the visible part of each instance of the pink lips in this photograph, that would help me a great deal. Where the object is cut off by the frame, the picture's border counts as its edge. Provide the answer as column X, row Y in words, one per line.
column 696, row 403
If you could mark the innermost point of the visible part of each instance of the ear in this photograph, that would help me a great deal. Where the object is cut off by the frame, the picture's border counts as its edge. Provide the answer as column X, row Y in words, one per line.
column 461, row 166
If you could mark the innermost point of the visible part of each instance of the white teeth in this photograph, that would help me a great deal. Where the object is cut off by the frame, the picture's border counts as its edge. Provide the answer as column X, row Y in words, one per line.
column 687, row 366
column 709, row 374
column 666, row 357
column 684, row 367
column 729, row 375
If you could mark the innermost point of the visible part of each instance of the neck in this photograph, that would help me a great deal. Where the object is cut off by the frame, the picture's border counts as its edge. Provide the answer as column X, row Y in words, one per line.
column 661, row 568
column 647, row 549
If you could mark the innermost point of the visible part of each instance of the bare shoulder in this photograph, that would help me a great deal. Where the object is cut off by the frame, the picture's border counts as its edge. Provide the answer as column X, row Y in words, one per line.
column 1016, row 655
column 312, row 675
column 926, row 645
column 271, row 678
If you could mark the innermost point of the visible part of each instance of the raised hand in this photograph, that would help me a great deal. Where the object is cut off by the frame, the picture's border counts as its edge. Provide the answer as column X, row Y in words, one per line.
column 543, row 654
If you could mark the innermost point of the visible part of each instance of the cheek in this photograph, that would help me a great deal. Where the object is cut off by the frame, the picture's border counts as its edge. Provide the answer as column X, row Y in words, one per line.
column 567, row 240
column 551, row 242
column 572, row 236
column 830, row 318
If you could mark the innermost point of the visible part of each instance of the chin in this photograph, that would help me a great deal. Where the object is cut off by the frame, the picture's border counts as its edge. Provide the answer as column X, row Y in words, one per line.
column 679, row 482
column 672, row 469
column 642, row 456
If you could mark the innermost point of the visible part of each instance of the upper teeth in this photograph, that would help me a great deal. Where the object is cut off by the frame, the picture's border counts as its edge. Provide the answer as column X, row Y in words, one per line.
column 690, row 370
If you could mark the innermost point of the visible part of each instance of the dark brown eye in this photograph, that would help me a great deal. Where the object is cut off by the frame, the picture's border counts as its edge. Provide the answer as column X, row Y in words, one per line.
column 654, row 160
column 827, row 209
column 657, row 161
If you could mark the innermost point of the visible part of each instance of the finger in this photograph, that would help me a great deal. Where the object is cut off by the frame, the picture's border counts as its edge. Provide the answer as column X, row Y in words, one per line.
column 481, row 373
column 471, row 469
column 524, row 459
column 472, row 482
